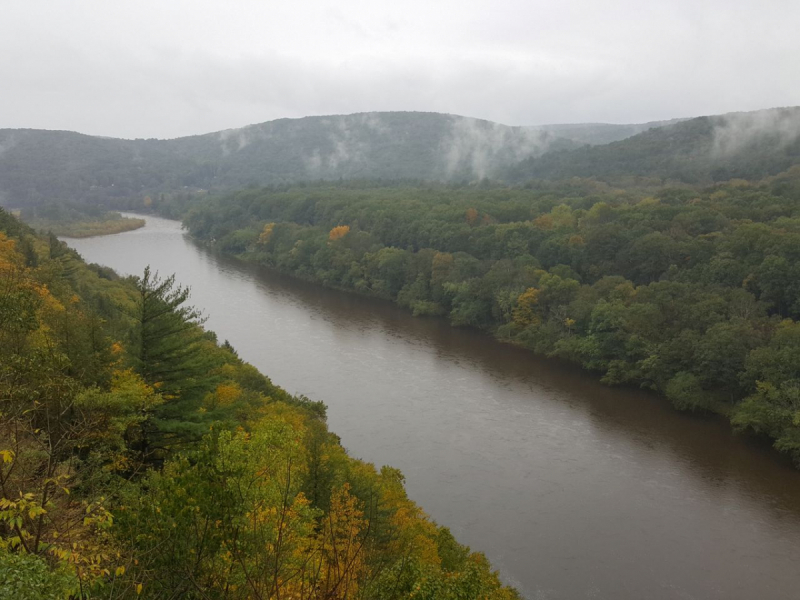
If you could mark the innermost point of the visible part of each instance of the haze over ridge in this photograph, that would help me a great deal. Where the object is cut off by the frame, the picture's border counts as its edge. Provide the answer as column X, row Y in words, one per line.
column 44, row 166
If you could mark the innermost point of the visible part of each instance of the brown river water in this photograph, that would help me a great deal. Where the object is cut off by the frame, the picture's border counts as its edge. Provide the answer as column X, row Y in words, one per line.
column 572, row 489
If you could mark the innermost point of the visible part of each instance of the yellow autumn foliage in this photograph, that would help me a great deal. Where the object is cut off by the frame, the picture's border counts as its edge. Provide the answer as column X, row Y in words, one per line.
column 228, row 393
column 266, row 233
column 524, row 313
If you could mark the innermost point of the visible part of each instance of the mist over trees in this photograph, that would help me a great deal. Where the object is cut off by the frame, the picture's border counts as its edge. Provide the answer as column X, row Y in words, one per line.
column 37, row 167
column 42, row 167
column 696, row 151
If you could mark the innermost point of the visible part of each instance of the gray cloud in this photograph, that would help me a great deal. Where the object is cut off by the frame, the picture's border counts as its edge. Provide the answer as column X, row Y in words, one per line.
column 165, row 69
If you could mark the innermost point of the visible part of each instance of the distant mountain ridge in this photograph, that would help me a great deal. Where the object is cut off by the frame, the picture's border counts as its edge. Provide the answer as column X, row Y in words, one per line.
column 38, row 166
column 746, row 145
column 601, row 133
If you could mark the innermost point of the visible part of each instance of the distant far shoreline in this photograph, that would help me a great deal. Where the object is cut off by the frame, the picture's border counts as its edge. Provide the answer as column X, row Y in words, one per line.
column 85, row 229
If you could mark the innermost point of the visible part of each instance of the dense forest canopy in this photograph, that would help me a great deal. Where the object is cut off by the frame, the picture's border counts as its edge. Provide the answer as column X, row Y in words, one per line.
column 691, row 292
column 139, row 458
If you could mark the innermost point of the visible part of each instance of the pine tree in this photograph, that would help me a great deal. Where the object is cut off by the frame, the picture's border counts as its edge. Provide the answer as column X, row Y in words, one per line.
column 171, row 354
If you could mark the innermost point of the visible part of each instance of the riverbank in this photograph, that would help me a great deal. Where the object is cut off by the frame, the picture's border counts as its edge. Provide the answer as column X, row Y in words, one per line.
column 85, row 229
column 712, row 406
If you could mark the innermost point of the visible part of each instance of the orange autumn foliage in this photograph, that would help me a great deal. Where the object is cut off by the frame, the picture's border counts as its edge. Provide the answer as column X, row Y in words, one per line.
column 338, row 232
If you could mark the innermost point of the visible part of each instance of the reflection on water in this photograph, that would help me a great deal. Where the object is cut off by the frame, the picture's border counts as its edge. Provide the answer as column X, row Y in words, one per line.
column 573, row 489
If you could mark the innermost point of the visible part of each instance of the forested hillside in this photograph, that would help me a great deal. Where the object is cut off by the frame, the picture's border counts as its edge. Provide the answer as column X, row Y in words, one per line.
column 698, row 151
column 689, row 292
column 139, row 458
column 44, row 166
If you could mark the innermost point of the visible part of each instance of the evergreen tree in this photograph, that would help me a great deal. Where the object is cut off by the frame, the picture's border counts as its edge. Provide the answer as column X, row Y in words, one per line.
column 171, row 353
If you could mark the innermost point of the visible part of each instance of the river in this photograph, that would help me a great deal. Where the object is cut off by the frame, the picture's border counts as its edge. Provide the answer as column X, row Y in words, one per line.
column 572, row 489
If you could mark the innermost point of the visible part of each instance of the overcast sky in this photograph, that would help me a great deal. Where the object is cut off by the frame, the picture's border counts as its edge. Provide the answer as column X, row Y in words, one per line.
column 168, row 68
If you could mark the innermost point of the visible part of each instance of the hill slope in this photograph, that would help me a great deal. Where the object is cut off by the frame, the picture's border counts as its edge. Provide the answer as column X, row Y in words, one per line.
column 39, row 166
column 600, row 133
column 736, row 145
